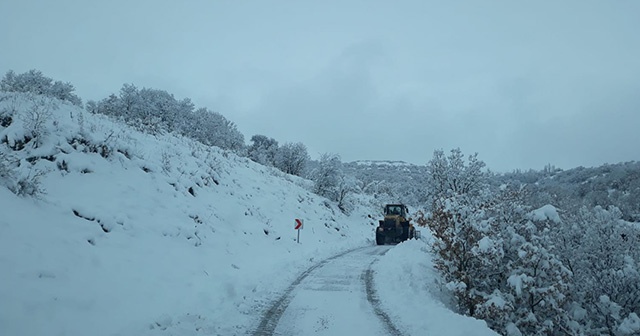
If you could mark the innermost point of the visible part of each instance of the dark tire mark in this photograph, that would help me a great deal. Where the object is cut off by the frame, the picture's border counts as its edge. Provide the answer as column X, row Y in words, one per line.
column 372, row 297
column 272, row 316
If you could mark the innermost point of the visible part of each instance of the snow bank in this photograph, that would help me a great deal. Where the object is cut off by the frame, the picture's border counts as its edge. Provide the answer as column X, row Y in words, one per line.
column 408, row 289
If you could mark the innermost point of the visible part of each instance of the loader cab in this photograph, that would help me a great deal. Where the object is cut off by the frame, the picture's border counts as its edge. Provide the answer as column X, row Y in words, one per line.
column 396, row 210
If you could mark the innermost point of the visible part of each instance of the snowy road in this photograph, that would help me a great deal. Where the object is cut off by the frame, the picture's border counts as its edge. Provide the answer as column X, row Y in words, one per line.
column 335, row 297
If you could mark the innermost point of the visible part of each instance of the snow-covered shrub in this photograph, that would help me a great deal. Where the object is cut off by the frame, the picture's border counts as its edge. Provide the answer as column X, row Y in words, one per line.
column 33, row 81
column 467, row 248
column 292, row 158
column 213, row 129
column 29, row 185
column 7, row 174
column 326, row 176
column 538, row 283
column 36, row 117
column 157, row 111
column 10, row 109
column 263, row 150
column 449, row 176
column 604, row 254
column 165, row 160
column 495, row 255
column 467, row 245
column 346, row 188
column 330, row 181
column 213, row 168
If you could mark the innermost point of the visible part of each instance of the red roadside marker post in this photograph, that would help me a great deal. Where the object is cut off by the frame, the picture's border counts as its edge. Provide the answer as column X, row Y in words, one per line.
column 298, row 227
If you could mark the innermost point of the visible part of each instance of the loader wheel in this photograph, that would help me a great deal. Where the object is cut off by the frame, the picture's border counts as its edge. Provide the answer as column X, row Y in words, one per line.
column 379, row 239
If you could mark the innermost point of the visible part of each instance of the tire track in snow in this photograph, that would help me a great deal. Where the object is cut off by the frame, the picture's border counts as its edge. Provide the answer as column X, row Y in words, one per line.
column 372, row 297
column 270, row 320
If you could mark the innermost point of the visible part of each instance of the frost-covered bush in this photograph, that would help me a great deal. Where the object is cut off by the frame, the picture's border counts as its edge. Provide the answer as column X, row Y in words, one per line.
column 213, row 129
column 29, row 186
column 450, row 176
column 330, row 181
column 263, row 150
column 10, row 109
column 494, row 255
column 157, row 111
column 33, row 81
column 466, row 242
column 467, row 249
column 36, row 117
column 326, row 176
column 27, row 118
column 24, row 183
column 292, row 158
column 6, row 170
column 537, row 282
column 603, row 253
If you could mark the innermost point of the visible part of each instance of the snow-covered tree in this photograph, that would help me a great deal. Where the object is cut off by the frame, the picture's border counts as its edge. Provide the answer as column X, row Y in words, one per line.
column 347, row 186
column 326, row 176
column 452, row 176
column 212, row 128
column 604, row 254
column 155, row 111
column 332, row 182
column 263, row 150
column 537, row 282
column 292, row 158
column 467, row 247
column 466, row 244
column 128, row 104
column 33, row 81
column 494, row 254
column 36, row 118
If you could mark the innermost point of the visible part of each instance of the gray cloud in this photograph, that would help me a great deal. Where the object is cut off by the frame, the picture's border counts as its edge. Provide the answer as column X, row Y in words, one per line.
column 523, row 84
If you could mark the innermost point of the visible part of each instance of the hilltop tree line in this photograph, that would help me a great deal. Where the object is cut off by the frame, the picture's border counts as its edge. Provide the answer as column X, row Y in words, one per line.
column 157, row 112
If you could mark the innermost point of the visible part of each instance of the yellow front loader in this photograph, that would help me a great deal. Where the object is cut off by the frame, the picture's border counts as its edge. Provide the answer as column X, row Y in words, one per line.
column 396, row 226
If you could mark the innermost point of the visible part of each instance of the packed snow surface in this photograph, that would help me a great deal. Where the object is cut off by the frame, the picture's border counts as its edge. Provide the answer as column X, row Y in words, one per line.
column 410, row 291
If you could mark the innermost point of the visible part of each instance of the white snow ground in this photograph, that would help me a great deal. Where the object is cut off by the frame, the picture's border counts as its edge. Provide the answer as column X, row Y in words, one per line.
column 415, row 300
column 119, row 245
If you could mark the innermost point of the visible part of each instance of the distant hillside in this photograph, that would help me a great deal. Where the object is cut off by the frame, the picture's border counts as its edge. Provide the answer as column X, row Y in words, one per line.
column 611, row 184
column 391, row 181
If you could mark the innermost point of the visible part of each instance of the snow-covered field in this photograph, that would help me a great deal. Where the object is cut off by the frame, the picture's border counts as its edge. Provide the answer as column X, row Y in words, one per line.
column 136, row 234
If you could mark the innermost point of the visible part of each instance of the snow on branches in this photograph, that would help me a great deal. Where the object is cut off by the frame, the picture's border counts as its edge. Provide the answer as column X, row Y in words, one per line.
column 492, row 253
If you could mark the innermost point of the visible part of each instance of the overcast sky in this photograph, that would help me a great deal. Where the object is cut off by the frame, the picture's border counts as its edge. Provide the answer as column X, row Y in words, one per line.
column 523, row 84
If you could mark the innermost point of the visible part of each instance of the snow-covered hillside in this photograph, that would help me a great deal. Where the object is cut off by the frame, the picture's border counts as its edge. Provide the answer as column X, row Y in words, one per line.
column 118, row 232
